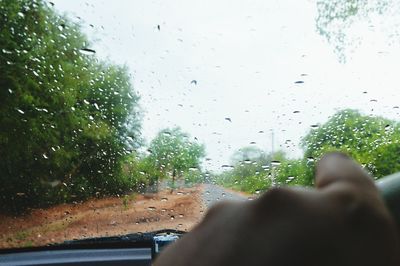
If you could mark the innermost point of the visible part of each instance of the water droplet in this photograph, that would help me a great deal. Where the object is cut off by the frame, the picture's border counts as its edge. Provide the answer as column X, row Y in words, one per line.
column 299, row 82
column 296, row 112
column 151, row 208
column 275, row 163
column 22, row 15
column 45, row 156
column 194, row 82
column 289, row 178
column 6, row 51
column 228, row 119
column 87, row 51
column 164, row 199
column 310, row 159
column 20, row 111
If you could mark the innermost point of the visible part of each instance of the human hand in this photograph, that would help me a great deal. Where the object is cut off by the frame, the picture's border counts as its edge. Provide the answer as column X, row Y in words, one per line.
column 342, row 221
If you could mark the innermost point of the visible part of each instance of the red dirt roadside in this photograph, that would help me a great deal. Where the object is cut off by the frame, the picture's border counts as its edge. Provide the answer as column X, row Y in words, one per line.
column 181, row 210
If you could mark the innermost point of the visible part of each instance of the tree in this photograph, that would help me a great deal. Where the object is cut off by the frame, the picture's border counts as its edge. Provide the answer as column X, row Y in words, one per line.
column 66, row 118
column 174, row 154
column 298, row 172
column 139, row 172
column 372, row 141
column 335, row 18
column 252, row 169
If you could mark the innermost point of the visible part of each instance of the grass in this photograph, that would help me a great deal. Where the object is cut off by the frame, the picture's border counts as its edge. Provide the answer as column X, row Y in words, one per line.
column 127, row 199
column 21, row 235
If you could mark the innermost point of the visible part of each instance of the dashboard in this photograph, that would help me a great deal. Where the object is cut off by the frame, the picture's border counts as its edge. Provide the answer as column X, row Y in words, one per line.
column 117, row 256
column 133, row 249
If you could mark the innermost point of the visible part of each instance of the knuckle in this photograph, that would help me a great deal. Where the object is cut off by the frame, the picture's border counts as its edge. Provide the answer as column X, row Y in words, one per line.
column 276, row 197
column 275, row 194
column 215, row 209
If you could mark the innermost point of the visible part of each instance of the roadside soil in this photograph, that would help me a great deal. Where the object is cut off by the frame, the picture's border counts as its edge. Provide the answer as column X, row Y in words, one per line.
column 180, row 210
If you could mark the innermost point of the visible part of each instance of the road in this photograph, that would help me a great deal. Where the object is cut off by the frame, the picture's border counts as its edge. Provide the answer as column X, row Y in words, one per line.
column 213, row 193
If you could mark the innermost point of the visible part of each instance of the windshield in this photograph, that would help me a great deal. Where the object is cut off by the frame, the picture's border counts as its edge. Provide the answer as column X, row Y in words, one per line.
column 119, row 117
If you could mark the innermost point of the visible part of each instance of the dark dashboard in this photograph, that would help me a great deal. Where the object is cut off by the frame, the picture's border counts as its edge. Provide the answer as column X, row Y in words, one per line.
column 132, row 249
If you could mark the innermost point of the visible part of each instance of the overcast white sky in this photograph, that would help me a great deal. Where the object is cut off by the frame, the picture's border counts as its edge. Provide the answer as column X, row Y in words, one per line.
column 245, row 57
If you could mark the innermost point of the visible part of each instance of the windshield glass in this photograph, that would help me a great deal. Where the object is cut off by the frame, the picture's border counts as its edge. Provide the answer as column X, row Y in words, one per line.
column 119, row 117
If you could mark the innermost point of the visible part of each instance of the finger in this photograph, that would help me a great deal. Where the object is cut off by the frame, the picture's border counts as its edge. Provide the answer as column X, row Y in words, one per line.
column 338, row 167
column 349, row 187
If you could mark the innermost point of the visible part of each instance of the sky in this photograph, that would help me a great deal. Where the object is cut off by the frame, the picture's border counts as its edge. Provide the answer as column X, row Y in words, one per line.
column 245, row 57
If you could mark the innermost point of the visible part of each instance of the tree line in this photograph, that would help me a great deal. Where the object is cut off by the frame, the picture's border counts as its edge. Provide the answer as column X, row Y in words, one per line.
column 373, row 141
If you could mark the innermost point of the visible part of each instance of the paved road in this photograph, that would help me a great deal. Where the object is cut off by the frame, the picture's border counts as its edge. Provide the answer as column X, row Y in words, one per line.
column 213, row 194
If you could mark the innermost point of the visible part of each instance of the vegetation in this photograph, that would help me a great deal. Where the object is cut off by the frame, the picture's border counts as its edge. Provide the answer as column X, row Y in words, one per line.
column 174, row 155
column 70, row 123
column 336, row 17
column 372, row 141
column 66, row 118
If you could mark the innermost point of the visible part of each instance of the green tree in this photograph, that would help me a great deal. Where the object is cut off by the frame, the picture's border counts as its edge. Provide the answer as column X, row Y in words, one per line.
column 372, row 141
column 174, row 154
column 66, row 118
column 252, row 170
column 335, row 18
column 298, row 172
column 139, row 172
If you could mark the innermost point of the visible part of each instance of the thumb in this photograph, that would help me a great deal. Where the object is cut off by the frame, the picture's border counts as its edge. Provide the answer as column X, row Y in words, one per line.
column 338, row 167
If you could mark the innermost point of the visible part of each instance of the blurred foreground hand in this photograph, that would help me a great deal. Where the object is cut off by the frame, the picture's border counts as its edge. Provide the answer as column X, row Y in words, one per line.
column 343, row 221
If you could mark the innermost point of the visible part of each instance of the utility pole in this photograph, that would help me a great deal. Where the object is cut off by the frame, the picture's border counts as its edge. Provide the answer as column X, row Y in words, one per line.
column 272, row 141
column 272, row 158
